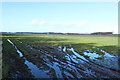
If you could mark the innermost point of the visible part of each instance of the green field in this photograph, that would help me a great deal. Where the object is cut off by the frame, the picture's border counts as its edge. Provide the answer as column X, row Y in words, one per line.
column 79, row 42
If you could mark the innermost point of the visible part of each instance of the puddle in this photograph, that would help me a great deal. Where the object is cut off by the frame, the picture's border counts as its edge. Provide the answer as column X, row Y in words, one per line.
column 68, row 74
column 20, row 54
column 107, row 54
column 57, row 69
column 34, row 69
column 106, row 59
column 64, row 49
column 78, row 55
column 72, row 64
column 60, row 48
column 92, row 55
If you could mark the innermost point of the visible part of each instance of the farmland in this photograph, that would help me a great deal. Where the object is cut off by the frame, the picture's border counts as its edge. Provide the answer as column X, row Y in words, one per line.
column 60, row 56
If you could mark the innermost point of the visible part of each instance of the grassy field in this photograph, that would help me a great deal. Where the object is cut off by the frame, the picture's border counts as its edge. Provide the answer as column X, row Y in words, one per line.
column 11, row 61
column 79, row 42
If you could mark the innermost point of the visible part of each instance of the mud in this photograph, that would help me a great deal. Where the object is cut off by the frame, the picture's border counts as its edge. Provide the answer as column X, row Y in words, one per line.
column 64, row 63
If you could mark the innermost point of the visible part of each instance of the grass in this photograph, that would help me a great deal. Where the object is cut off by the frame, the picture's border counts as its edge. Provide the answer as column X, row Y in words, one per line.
column 12, row 62
column 8, row 52
column 79, row 42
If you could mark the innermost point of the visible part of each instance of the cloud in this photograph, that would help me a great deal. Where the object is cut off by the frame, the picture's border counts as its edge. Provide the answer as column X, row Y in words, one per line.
column 41, row 22
column 69, row 22
column 33, row 22
column 83, row 25
column 58, row 23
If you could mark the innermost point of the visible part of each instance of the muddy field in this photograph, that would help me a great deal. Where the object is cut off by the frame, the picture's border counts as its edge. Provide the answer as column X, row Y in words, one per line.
column 60, row 62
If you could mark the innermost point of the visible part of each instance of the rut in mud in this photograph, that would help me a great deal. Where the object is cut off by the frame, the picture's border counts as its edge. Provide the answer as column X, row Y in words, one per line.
column 52, row 62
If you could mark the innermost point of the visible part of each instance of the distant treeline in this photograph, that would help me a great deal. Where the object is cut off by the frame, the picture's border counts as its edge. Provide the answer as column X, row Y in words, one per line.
column 95, row 33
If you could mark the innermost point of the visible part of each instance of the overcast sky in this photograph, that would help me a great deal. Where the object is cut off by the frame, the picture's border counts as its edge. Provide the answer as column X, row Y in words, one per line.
column 77, row 17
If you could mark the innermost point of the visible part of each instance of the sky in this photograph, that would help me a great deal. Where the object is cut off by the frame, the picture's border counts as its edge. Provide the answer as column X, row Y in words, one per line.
column 74, row 17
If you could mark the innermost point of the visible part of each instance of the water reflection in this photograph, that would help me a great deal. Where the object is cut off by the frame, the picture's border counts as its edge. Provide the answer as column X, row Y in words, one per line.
column 21, row 55
column 63, row 62
column 34, row 69
column 92, row 55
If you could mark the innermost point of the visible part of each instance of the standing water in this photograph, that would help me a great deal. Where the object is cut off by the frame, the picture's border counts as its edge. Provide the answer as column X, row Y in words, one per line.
column 34, row 69
column 69, row 64
column 21, row 55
